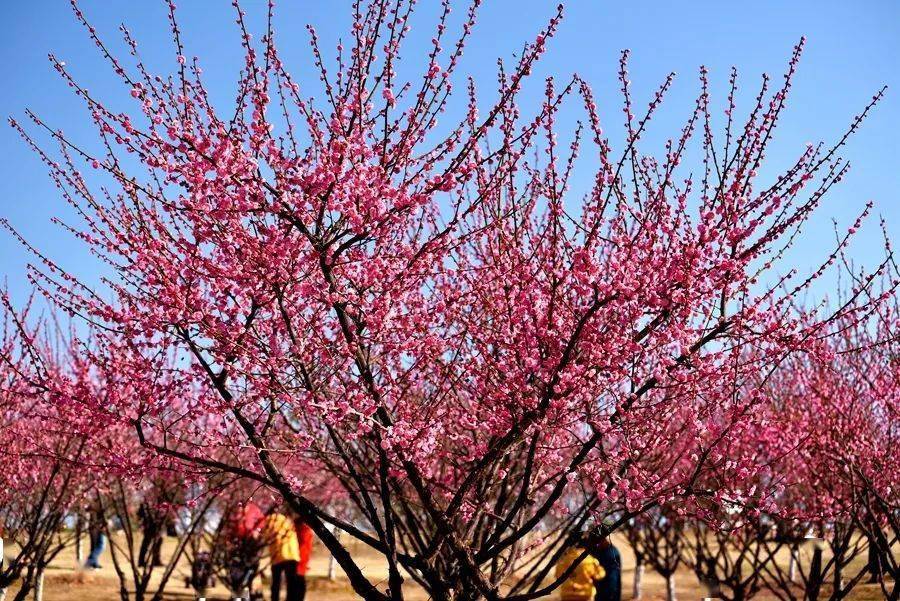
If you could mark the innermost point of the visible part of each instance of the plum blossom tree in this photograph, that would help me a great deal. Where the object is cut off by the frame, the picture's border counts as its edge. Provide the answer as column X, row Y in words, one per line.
column 332, row 278
column 59, row 457
column 846, row 469
column 148, row 509
column 659, row 537
column 730, row 559
column 43, row 449
column 869, row 467
column 823, row 564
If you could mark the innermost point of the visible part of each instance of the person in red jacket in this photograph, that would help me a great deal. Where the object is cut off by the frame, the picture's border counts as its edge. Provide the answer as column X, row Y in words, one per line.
column 249, row 520
column 305, row 538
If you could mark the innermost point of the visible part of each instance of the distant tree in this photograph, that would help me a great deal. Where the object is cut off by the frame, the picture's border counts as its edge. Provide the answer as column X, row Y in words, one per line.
column 138, row 514
column 846, row 467
column 659, row 538
column 43, row 451
column 730, row 558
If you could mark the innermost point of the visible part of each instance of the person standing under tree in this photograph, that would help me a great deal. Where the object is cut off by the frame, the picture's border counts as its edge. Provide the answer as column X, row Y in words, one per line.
column 305, row 540
column 580, row 583
column 284, row 551
column 97, row 534
column 609, row 586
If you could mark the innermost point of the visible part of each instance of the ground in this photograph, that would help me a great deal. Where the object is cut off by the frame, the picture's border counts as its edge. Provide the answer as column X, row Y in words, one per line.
column 66, row 582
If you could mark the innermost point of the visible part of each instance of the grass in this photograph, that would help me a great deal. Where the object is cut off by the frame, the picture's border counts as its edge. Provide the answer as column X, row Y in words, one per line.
column 65, row 581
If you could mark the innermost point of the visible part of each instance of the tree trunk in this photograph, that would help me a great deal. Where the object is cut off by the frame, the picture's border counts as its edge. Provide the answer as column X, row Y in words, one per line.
column 39, row 587
column 140, row 593
column 670, row 587
column 815, row 576
column 242, row 594
column 23, row 591
column 79, row 546
column 874, row 562
column 792, row 565
column 332, row 567
column 332, row 564
column 638, row 576
column 26, row 583
column 838, row 582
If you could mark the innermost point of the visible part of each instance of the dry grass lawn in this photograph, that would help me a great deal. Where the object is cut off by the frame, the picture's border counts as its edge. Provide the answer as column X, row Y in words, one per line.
column 66, row 582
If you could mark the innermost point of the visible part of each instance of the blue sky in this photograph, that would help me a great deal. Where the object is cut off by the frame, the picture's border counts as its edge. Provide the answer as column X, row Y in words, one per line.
column 852, row 50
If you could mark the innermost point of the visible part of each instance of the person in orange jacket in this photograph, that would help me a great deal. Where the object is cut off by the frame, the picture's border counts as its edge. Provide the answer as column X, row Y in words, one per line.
column 579, row 586
column 305, row 539
column 284, row 550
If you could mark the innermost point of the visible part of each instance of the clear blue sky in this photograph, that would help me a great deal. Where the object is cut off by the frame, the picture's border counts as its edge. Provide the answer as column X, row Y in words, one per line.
column 853, row 49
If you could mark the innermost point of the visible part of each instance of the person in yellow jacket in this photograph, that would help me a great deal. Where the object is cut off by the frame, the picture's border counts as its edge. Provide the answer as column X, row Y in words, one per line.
column 284, row 551
column 579, row 586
